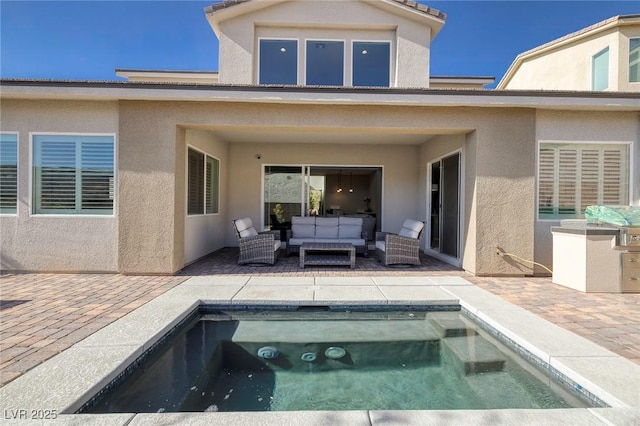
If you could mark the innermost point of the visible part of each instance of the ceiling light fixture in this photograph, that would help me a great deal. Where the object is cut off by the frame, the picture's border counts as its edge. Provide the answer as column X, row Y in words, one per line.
column 351, row 183
column 339, row 181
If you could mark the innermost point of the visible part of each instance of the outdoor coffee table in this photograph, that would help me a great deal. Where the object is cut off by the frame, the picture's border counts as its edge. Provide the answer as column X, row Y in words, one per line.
column 327, row 254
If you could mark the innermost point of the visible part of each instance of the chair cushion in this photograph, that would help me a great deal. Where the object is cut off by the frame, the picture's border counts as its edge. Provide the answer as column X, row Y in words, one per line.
column 249, row 232
column 350, row 227
column 244, row 223
column 380, row 245
column 303, row 227
column 327, row 227
column 303, row 220
column 357, row 242
column 411, row 228
column 276, row 245
column 327, row 240
column 299, row 241
column 346, row 220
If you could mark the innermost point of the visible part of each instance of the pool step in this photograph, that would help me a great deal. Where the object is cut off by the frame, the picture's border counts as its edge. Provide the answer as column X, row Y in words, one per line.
column 302, row 331
column 474, row 354
column 448, row 325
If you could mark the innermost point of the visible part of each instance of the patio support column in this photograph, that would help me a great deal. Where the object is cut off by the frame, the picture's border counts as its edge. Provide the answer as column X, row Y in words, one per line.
column 146, row 190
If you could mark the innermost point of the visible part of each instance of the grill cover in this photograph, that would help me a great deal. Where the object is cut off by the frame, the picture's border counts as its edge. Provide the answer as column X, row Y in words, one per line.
column 615, row 215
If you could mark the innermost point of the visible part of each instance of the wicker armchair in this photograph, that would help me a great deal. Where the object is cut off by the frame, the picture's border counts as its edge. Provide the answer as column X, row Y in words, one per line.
column 400, row 248
column 256, row 247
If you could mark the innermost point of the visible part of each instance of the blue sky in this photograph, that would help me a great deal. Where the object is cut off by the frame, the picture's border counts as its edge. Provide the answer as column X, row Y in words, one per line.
column 88, row 40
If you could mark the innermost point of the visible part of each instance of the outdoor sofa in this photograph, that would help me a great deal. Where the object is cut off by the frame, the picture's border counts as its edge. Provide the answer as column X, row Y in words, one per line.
column 317, row 229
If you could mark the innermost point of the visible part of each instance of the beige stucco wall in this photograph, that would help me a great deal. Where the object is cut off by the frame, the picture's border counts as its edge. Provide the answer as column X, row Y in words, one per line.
column 332, row 20
column 204, row 234
column 625, row 35
column 62, row 243
column 568, row 67
column 585, row 127
column 150, row 233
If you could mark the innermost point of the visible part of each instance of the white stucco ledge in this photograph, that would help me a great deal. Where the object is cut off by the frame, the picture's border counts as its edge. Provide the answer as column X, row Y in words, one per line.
column 67, row 381
column 117, row 90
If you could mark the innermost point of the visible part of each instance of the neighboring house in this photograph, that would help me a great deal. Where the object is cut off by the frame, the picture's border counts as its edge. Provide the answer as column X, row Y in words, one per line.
column 604, row 56
column 145, row 176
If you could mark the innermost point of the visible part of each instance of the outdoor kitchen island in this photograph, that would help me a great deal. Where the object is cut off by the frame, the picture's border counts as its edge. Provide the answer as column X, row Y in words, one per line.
column 600, row 254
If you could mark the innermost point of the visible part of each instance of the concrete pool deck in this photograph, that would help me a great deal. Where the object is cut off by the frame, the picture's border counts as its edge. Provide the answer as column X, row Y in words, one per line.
column 79, row 372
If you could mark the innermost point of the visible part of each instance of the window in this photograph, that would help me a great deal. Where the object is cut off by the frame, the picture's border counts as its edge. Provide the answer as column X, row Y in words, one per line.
column 371, row 63
column 600, row 70
column 73, row 174
column 278, row 62
column 8, row 173
column 203, row 183
column 325, row 63
column 634, row 60
column 574, row 176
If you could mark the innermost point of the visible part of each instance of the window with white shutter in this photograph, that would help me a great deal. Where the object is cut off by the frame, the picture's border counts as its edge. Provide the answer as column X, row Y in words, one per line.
column 73, row 174
column 203, row 183
column 572, row 176
column 8, row 173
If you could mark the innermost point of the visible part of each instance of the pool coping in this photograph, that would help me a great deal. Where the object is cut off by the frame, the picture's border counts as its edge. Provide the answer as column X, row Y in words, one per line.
column 64, row 383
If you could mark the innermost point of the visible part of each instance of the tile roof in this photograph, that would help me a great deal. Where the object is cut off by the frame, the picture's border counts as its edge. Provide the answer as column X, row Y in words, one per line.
column 407, row 3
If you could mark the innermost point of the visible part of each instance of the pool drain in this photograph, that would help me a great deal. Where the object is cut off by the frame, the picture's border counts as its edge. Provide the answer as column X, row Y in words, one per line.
column 309, row 356
column 335, row 352
column 268, row 352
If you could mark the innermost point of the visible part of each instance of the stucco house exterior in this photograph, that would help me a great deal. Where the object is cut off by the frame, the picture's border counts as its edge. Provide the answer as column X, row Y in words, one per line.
column 146, row 175
column 603, row 56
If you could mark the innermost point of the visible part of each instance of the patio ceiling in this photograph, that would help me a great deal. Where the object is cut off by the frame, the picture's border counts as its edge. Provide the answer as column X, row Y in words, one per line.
column 266, row 135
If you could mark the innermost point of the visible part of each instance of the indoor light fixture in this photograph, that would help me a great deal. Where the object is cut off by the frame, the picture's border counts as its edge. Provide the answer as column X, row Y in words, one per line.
column 339, row 181
column 351, row 183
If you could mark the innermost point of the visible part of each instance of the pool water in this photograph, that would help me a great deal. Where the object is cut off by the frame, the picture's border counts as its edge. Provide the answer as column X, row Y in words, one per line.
column 289, row 361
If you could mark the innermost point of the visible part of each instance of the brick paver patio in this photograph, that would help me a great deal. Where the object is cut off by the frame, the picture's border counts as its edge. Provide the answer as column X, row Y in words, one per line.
column 44, row 314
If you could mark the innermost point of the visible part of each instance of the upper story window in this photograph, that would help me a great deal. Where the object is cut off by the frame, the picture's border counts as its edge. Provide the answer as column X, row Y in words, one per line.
column 634, row 60
column 600, row 70
column 371, row 63
column 278, row 62
column 325, row 63
column 8, row 173
column 73, row 174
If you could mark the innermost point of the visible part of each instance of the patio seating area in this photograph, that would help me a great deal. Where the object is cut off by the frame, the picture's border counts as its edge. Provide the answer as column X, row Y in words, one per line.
column 44, row 314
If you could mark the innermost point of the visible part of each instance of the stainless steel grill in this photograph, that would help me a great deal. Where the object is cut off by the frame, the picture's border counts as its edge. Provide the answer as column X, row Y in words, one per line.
column 629, row 236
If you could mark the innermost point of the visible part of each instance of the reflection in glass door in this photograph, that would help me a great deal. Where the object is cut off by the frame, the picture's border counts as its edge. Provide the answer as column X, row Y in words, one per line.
column 284, row 191
column 445, row 205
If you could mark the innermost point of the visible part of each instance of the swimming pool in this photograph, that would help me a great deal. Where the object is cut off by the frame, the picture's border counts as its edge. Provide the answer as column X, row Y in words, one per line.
column 71, row 379
column 270, row 359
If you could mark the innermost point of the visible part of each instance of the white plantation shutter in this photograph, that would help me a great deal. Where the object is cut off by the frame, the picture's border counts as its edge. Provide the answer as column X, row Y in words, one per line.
column 195, row 200
column 8, row 173
column 203, row 186
column 73, row 174
column 574, row 176
column 212, row 179
column 97, row 176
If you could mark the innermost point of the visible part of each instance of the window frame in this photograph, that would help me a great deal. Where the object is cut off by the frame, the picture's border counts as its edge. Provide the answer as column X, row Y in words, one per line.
column 606, row 51
column 204, row 194
column 32, row 206
column 17, row 135
column 630, row 178
column 388, row 42
column 344, row 59
column 632, row 39
column 258, row 55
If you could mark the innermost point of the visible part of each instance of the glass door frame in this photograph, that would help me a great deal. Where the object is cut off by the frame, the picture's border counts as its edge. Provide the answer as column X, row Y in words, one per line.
column 437, row 251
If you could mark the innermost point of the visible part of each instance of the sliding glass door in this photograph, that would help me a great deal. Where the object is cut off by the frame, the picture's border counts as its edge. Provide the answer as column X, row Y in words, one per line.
column 445, row 205
column 286, row 193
